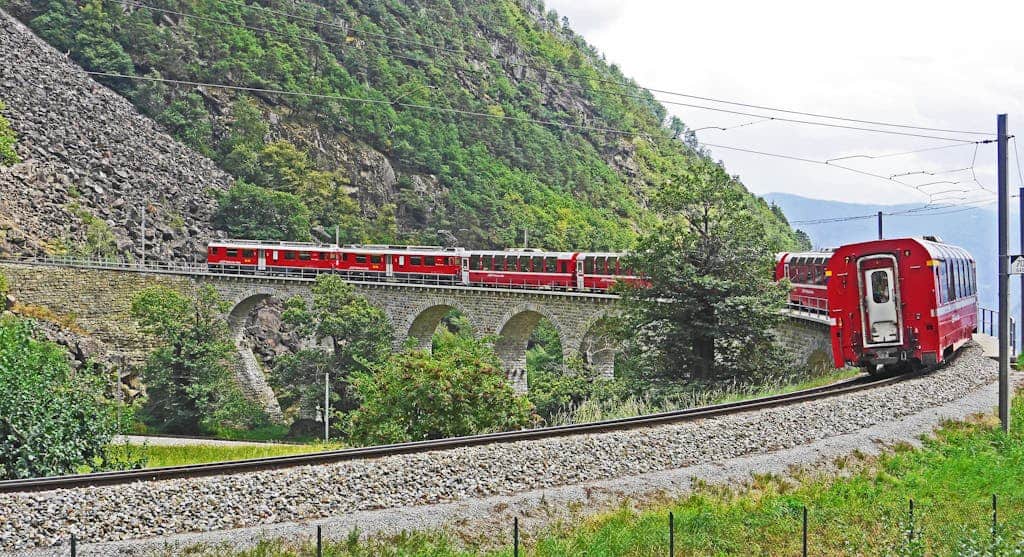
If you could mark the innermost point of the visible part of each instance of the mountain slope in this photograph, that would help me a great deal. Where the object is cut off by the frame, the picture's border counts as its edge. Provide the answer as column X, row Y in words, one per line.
column 389, row 127
column 91, row 163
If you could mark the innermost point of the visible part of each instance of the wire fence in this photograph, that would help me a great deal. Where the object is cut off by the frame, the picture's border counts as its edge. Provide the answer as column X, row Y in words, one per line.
column 965, row 527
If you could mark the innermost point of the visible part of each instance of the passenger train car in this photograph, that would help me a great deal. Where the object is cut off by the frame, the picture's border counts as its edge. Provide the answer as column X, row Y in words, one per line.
column 901, row 303
column 895, row 304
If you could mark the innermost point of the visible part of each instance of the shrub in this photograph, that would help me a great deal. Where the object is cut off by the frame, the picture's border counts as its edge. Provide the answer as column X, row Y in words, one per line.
column 458, row 389
column 8, row 155
column 52, row 420
column 256, row 213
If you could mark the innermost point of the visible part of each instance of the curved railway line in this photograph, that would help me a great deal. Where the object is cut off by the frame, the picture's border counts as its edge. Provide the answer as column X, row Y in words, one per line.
column 232, row 467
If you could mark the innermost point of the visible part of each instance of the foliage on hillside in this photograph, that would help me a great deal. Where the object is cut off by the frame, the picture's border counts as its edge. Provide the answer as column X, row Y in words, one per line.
column 8, row 155
column 52, row 419
column 495, row 176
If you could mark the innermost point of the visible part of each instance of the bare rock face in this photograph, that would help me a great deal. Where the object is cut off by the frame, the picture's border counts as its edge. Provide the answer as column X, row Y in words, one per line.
column 268, row 335
column 88, row 154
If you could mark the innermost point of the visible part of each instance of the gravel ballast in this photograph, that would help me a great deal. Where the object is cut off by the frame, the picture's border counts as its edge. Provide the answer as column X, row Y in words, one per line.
column 158, row 509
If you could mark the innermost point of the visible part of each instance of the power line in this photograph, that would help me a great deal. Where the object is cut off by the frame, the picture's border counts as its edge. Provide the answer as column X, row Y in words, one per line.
column 345, row 98
column 350, row 28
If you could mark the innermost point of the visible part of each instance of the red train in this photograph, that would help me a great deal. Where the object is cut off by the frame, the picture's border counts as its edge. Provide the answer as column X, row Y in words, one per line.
column 516, row 268
column 898, row 304
column 893, row 303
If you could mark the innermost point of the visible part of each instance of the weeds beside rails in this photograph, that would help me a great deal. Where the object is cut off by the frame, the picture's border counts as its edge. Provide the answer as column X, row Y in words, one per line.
column 594, row 410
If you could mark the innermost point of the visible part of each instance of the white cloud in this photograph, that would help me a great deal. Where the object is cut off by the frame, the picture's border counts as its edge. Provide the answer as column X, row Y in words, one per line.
column 932, row 64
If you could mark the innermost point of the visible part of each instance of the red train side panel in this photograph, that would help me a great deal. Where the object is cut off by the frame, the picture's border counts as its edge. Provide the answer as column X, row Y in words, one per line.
column 808, row 278
column 900, row 301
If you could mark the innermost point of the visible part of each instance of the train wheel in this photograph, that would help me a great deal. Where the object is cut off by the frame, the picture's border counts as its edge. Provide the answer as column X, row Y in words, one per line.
column 871, row 370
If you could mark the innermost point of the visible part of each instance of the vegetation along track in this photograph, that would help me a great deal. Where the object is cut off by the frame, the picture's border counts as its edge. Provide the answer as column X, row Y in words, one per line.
column 217, row 468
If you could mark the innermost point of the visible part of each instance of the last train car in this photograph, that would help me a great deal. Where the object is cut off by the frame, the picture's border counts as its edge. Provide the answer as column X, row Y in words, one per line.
column 900, row 304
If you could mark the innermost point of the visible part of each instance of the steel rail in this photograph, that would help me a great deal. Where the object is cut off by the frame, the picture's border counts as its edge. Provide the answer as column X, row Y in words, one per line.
column 326, row 457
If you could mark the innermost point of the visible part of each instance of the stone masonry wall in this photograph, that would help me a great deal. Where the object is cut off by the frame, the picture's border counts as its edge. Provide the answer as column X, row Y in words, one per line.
column 807, row 342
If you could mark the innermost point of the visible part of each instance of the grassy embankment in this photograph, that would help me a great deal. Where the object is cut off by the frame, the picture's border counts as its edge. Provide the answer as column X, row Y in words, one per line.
column 861, row 510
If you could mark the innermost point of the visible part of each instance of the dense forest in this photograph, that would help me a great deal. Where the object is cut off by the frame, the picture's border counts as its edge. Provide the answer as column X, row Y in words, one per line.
column 393, row 121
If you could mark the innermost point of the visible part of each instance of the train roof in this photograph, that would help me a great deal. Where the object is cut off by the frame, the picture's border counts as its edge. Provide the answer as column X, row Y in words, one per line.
column 936, row 248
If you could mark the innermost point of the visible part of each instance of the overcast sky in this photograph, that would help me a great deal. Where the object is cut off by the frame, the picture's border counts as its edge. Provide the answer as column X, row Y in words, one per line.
column 926, row 63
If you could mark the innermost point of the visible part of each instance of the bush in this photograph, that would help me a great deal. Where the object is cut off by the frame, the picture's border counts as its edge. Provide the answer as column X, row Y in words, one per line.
column 8, row 155
column 52, row 420
column 458, row 389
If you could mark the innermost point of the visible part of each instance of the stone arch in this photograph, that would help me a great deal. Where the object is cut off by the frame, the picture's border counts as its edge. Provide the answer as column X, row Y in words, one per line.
column 596, row 347
column 422, row 322
column 248, row 370
column 513, row 334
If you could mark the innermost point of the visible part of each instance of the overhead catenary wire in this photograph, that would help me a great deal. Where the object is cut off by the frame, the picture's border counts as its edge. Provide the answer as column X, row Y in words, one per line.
column 349, row 28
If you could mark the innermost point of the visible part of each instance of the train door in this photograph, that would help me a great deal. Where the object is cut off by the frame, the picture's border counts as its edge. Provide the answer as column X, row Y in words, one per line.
column 465, row 271
column 390, row 262
column 579, row 274
column 262, row 261
column 880, row 296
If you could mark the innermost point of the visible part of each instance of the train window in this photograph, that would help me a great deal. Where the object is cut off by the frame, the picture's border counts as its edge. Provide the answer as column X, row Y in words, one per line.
column 487, row 261
column 950, row 281
column 360, row 258
column 289, row 255
column 599, row 266
column 474, row 262
column 375, row 259
column 232, row 253
column 415, row 260
column 429, row 261
column 588, row 266
column 305, row 256
column 524, row 263
column 613, row 266
column 549, row 264
column 537, row 264
column 880, row 287
column 248, row 253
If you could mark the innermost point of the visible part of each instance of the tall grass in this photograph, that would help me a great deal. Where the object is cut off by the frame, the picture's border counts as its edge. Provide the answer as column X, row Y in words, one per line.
column 177, row 455
column 700, row 395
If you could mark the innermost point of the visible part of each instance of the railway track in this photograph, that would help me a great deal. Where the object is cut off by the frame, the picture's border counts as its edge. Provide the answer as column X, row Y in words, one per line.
column 326, row 457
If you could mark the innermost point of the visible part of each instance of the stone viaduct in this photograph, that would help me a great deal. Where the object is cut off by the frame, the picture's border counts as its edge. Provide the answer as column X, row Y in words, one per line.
column 99, row 302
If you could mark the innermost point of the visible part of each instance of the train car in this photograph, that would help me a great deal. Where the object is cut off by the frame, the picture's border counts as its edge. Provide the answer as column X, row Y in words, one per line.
column 426, row 264
column 267, row 257
column 806, row 273
column 900, row 304
column 601, row 271
column 521, row 268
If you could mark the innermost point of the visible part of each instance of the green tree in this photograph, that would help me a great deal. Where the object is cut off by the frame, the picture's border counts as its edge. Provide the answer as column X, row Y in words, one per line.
column 8, row 138
column 94, row 44
column 52, row 420
column 356, row 334
column 255, row 213
column 189, row 381
column 457, row 389
column 711, row 307
column 188, row 120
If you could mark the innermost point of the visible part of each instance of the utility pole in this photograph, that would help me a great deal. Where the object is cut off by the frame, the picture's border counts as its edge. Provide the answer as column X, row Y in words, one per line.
column 1020, row 217
column 327, row 405
column 144, row 205
column 1004, row 275
column 879, row 225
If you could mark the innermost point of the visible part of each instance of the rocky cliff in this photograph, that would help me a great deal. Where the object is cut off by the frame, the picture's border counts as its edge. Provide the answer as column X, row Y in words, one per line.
column 92, row 164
